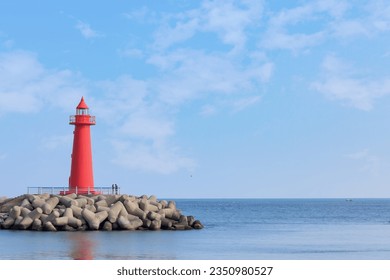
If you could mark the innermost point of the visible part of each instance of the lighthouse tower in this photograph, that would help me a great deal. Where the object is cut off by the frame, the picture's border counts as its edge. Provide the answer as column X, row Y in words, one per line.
column 81, row 173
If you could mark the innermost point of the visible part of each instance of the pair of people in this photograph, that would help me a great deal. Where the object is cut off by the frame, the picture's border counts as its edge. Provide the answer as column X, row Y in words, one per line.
column 114, row 188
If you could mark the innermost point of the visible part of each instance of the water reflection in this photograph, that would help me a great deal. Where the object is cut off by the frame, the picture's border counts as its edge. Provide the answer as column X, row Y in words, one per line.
column 82, row 246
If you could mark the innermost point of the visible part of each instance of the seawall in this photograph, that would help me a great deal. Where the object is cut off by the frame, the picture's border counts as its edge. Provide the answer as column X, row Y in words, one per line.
column 73, row 212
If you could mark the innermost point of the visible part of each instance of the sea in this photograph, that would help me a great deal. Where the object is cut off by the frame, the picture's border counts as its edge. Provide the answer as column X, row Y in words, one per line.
column 238, row 229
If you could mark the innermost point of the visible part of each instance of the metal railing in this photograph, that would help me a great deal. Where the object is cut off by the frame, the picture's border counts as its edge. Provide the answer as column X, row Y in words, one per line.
column 64, row 190
column 86, row 119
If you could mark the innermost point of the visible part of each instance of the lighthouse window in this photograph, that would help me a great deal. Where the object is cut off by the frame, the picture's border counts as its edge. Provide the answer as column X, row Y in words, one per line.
column 82, row 112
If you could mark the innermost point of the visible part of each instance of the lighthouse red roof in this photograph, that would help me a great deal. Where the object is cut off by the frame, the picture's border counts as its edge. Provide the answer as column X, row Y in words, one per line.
column 82, row 104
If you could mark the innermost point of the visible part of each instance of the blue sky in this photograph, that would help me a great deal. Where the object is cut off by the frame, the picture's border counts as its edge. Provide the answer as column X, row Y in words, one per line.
column 199, row 98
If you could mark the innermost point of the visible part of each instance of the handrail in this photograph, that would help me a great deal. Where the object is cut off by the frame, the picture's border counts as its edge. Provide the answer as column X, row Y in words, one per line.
column 59, row 190
column 82, row 119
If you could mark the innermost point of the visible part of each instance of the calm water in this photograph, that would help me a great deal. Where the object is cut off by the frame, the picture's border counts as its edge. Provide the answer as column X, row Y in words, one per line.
column 234, row 229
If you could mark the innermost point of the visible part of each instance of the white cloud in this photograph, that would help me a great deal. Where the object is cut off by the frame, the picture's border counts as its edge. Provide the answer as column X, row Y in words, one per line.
column 86, row 30
column 230, row 19
column 227, row 19
column 314, row 22
column 350, row 28
column 342, row 82
column 194, row 75
column 295, row 42
column 279, row 36
column 310, row 24
column 379, row 15
column 243, row 103
column 123, row 94
column 26, row 85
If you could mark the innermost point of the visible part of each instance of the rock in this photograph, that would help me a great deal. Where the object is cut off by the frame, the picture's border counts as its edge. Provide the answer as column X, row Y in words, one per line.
column 38, row 202
column 37, row 225
column 102, row 208
column 61, row 221
column 77, row 211
column 154, row 216
column 107, row 226
column 132, row 208
column 92, row 212
column 25, row 212
column 71, row 195
column 3, row 199
column 29, row 219
column 164, row 203
column 124, row 223
column 155, row 225
column 81, row 202
column 49, row 205
column 15, row 212
column 146, row 223
column 6, row 206
column 9, row 222
column 50, row 218
column 145, row 205
column 114, row 211
column 68, row 213
column 172, row 205
column 190, row 220
column 91, row 219
column 25, row 202
column 112, row 199
column 197, row 225
column 101, row 203
column 49, row 227
column 115, row 226
column 91, row 208
column 67, row 228
column 166, row 223
column 17, row 222
column 183, row 220
column 67, row 201
column 131, row 217
column 74, row 222
column 101, row 216
column 179, row 226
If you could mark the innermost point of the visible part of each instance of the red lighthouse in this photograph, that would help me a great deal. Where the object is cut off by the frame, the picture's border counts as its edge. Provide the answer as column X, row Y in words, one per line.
column 81, row 173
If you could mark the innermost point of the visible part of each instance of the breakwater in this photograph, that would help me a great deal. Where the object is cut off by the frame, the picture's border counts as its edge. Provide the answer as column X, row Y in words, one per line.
column 92, row 212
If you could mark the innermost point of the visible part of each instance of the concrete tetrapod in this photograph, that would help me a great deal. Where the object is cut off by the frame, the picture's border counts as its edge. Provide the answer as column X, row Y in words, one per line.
column 92, row 212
